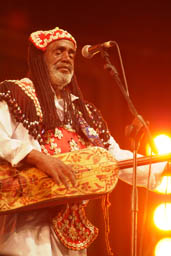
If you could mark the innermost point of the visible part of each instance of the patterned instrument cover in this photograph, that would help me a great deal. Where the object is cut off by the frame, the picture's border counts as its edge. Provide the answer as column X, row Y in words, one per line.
column 25, row 187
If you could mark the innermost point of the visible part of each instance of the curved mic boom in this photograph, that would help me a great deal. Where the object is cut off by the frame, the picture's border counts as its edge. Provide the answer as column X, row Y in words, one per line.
column 88, row 51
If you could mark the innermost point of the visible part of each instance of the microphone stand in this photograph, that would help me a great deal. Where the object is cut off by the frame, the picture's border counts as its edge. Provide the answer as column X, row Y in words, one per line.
column 136, row 132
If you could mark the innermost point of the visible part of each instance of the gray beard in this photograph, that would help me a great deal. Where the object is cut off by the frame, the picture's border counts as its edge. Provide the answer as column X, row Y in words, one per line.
column 60, row 80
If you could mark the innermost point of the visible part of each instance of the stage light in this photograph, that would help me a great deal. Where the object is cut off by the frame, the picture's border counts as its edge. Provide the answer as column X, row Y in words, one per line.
column 163, row 247
column 162, row 143
column 162, row 218
column 162, row 212
column 165, row 185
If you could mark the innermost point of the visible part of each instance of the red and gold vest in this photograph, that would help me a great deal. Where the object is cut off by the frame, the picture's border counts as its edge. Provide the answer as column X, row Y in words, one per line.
column 71, row 225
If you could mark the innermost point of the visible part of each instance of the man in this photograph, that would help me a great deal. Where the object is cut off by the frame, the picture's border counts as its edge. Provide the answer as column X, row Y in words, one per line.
column 42, row 116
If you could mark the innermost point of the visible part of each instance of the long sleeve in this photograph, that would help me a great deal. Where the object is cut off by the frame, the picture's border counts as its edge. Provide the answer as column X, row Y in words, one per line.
column 15, row 141
column 142, row 171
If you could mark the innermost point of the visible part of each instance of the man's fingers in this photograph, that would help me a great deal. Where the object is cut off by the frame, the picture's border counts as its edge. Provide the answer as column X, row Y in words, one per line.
column 56, row 178
column 64, row 181
column 64, row 175
column 60, row 172
column 68, row 173
column 71, row 177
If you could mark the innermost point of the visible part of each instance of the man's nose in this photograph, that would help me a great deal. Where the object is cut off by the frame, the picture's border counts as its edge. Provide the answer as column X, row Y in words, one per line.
column 66, row 56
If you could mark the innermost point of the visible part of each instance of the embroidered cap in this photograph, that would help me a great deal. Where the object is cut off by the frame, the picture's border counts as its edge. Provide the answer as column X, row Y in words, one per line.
column 41, row 39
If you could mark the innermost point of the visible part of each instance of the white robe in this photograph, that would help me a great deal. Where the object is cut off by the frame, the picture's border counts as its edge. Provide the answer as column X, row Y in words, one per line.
column 30, row 234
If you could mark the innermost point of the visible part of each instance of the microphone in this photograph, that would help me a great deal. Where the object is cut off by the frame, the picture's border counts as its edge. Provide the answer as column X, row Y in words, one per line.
column 88, row 51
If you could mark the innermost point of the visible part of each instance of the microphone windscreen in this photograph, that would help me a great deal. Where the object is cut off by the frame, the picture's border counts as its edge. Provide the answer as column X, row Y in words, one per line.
column 85, row 52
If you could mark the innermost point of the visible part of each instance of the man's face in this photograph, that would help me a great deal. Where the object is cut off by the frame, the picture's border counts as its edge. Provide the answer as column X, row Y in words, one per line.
column 59, row 57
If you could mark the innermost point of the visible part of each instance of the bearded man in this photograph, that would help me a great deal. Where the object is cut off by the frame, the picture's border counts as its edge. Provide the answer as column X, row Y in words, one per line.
column 41, row 116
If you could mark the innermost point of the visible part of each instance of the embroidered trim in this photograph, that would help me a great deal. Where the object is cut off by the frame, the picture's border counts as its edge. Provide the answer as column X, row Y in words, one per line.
column 53, row 141
column 90, row 133
column 9, row 93
column 99, row 124
column 73, row 145
column 27, row 86
column 74, row 229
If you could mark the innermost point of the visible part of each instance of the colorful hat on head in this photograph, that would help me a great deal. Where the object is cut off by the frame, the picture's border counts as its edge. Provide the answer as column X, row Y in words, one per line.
column 41, row 39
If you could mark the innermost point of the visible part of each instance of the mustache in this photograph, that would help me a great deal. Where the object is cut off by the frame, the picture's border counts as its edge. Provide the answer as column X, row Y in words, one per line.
column 67, row 66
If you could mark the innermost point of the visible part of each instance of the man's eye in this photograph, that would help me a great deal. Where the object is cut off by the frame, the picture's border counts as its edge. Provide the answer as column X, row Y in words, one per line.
column 58, row 52
column 72, row 55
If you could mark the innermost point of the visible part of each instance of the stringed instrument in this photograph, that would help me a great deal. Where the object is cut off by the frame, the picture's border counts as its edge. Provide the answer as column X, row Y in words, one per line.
column 25, row 187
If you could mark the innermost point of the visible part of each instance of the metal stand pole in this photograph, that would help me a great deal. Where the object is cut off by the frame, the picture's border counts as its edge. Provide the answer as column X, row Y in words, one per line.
column 135, row 133
column 134, row 209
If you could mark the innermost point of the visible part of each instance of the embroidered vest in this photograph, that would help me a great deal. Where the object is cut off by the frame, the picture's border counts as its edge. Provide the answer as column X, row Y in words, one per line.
column 70, row 225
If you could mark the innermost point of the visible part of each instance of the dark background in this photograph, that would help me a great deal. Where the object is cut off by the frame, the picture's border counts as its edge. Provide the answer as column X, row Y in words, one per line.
column 142, row 31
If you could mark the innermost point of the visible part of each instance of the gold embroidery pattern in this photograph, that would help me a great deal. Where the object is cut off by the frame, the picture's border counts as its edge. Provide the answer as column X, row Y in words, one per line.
column 52, row 148
column 58, row 134
column 73, row 144
column 73, row 228
column 94, row 168
column 91, row 131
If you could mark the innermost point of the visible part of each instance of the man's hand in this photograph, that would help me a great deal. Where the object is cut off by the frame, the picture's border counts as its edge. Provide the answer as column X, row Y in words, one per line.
column 52, row 166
